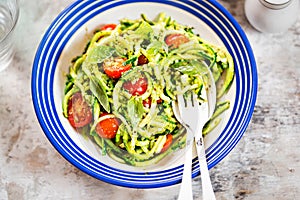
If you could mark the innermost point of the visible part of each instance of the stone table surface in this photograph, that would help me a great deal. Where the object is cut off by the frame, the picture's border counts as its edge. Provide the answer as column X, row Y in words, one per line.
column 264, row 165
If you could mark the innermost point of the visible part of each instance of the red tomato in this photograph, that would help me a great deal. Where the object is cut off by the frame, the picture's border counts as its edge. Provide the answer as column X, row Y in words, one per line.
column 142, row 60
column 108, row 127
column 114, row 67
column 167, row 143
column 159, row 101
column 108, row 27
column 79, row 112
column 175, row 40
column 147, row 102
column 138, row 87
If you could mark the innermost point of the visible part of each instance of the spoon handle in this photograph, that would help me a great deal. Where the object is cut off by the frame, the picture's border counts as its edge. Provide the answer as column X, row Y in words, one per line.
column 207, row 189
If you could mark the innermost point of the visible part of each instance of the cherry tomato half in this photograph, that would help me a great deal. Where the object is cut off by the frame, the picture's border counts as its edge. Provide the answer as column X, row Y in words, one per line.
column 175, row 40
column 167, row 143
column 147, row 102
column 142, row 60
column 108, row 127
column 108, row 27
column 79, row 112
column 138, row 87
column 115, row 67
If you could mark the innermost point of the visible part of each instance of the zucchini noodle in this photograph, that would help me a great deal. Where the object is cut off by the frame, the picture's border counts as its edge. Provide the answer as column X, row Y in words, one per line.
column 160, row 55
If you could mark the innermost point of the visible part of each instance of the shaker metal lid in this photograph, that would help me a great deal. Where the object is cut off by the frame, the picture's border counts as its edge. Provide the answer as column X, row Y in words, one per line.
column 276, row 4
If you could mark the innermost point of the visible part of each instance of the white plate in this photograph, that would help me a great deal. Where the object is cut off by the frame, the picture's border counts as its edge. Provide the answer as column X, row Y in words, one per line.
column 66, row 39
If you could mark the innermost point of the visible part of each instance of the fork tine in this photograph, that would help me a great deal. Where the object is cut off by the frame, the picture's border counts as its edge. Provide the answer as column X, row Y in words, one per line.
column 188, row 109
column 180, row 98
column 189, row 102
column 194, row 99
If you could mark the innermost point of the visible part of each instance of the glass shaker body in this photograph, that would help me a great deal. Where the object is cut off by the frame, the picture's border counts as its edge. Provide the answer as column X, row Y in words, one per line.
column 272, row 16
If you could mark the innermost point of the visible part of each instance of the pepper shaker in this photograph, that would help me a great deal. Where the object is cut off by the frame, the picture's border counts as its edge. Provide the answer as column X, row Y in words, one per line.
column 272, row 16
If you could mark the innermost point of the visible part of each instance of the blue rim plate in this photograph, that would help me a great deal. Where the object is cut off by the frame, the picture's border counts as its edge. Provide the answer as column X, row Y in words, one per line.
column 68, row 33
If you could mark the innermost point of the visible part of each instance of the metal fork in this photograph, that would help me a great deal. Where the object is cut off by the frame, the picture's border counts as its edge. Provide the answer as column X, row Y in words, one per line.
column 193, row 117
column 207, row 110
column 186, row 113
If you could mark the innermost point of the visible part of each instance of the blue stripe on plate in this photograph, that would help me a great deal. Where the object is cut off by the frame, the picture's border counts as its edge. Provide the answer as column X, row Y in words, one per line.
column 70, row 20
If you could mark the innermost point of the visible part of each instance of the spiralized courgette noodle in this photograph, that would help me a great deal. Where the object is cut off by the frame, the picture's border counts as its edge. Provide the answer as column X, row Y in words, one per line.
column 159, row 55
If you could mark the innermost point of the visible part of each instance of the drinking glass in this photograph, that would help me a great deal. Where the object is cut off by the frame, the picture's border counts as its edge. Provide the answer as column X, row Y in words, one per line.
column 9, row 13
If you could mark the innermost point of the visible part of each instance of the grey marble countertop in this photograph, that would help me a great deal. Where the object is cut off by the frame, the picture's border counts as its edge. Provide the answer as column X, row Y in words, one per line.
column 264, row 165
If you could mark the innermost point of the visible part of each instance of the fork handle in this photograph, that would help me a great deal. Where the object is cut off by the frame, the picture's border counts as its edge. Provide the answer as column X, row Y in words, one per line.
column 207, row 190
column 186, row 192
